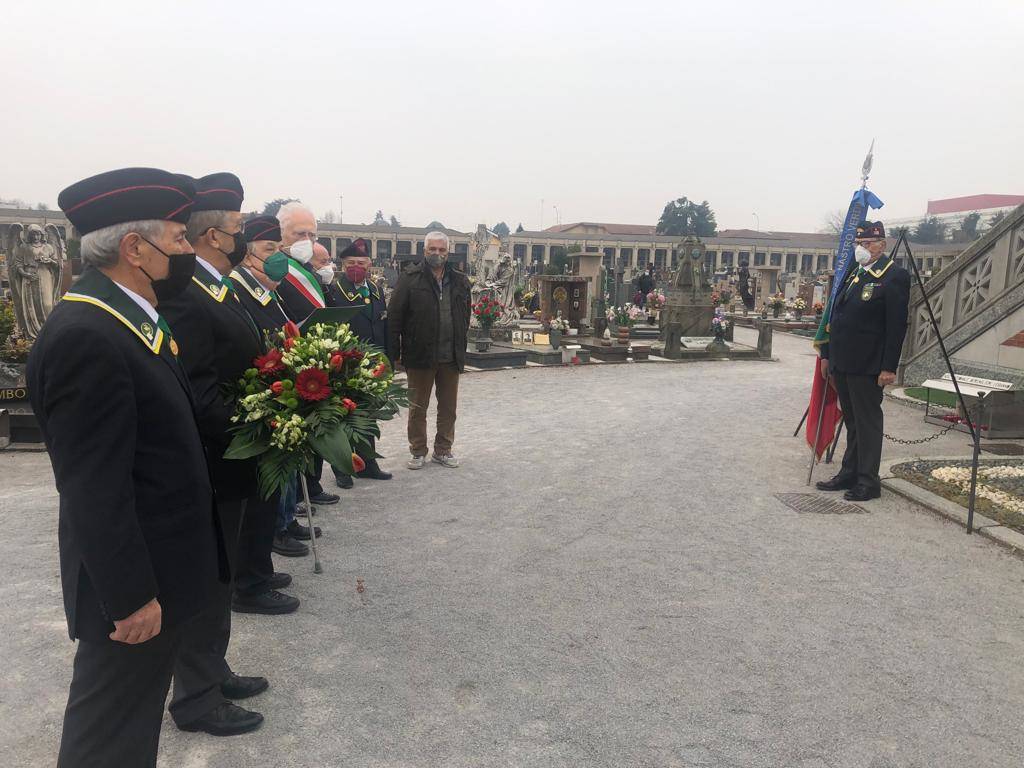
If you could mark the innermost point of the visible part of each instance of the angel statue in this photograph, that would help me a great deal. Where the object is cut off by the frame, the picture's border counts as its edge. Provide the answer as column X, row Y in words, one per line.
column 35, row 265
column 501, row 287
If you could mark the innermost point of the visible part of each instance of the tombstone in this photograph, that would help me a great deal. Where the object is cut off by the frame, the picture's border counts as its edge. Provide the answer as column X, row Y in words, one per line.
column 688, row 306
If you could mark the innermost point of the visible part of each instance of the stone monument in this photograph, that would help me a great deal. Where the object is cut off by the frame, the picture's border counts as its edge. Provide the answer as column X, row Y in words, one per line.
column 36, row 257
column 688, row 306
column 500, row 286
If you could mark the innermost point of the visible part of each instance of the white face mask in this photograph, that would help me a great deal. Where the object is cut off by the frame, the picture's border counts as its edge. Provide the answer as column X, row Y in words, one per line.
column 862, row 255
column 302, row 251
column 326, row 274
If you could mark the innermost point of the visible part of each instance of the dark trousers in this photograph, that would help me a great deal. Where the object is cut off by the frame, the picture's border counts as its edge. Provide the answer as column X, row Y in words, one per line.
column 312, row 479
column 255, row 566
column 861, row 401
column 201, row 666
column 116, row 702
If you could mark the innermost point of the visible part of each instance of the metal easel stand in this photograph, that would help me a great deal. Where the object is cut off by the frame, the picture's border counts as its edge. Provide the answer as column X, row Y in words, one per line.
column 974, row 428
column 317, row 568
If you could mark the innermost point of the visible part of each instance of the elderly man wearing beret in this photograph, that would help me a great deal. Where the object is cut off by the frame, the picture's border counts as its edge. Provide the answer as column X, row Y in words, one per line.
column 140, row 546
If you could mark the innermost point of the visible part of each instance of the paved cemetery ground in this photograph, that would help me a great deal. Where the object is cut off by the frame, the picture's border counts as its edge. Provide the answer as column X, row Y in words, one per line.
column 607, row 581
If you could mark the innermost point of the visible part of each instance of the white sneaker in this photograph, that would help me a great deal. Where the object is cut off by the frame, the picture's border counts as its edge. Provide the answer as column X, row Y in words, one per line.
column 447, row 460
column 417, row 462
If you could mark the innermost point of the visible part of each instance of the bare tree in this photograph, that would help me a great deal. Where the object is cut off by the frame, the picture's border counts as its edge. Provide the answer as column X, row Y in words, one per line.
column 833, row 223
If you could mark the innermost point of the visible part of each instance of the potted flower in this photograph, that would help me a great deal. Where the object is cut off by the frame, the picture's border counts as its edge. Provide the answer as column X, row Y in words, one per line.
column 777, row 303
column 819, row 309
column 624, row 317
column 719, row 325
column 557, row 326
column 486, row 311
column 655, row 302
column 798, row 308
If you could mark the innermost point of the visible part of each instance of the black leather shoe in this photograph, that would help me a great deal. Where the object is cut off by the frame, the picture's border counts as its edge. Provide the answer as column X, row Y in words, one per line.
column 298, row 531
column 862, row 493
column 343, row 481
column 325, row 498
column 271, row 603
column 300, row 509
column 239, row 687
column 374, row 472
column 837, row 483
column 279, row 580
column 286, row 545
column 226, row 720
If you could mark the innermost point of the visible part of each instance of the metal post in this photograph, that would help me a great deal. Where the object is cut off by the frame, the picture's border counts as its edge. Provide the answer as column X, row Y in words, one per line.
column 832, row 449
column 974, row 463
column 803, row 418
column 312, row 528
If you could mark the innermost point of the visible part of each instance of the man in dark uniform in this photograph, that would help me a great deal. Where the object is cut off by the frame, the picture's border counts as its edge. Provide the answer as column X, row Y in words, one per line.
column 256, row 280
column 139, row 544
column 256, row 584
column 353, row 288
column 866, row 329
column 218, row 343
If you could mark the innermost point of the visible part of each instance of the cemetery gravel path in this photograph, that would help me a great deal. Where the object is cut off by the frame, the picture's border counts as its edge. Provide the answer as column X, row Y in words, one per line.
column 607, row 581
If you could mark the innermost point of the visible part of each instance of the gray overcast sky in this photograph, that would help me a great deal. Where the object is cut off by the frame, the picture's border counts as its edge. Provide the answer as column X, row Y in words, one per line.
column 475, row 111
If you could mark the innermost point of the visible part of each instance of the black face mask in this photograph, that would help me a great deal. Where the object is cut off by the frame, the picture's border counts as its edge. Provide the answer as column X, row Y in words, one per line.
column 238, row 253
column 181, row 267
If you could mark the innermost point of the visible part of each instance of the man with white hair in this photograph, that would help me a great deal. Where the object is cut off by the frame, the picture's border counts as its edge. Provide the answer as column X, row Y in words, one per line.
column 300, row 291
column 428, row 321
column 301, row 294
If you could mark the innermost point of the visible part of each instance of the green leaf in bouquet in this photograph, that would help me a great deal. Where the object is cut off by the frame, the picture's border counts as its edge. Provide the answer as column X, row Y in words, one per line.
column 276, row 470
column 333, row 445
column 247, row 443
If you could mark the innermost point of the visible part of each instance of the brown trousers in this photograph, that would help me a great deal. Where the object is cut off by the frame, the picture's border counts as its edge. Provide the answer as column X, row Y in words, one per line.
column 445, row 378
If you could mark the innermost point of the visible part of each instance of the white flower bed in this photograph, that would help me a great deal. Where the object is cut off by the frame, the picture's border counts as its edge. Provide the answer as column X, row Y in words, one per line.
column 961, row 478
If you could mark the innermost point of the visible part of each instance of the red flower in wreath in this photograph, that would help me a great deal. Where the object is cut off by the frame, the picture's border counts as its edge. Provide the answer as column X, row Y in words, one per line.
column 357, row 462
column 269, row 363
column 312, row 385
column 379, row 371
column 349, row 404
column 291, row 330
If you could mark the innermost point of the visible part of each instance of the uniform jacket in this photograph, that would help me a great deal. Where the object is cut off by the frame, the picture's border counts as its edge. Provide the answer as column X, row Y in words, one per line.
column 414, row 319
column 136, row 505
column 218, row 341
column 261, row 305
column 869, row 320
column 371, row 324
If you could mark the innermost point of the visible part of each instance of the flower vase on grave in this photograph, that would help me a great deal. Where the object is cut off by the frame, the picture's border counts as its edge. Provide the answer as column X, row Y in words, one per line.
column 623, row 334
column 555, row 338
column 483, row 339
column 776, row 311
column 798, row 313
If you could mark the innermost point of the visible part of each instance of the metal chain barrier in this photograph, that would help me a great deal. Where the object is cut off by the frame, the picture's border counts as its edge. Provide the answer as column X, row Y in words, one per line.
column 937, row 435
column 922, row 440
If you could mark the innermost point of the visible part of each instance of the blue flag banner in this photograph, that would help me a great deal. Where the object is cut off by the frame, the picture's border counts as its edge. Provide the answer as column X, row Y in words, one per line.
column 862, row 202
